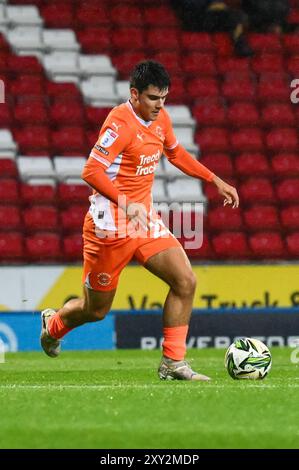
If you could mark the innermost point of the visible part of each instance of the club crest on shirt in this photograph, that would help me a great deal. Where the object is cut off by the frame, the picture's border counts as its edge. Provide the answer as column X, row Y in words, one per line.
column 108, row 138
column 104, row 279
column 159, row 133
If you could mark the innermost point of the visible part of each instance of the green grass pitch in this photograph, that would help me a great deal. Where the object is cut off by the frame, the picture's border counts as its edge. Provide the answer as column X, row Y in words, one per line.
column 114, row 400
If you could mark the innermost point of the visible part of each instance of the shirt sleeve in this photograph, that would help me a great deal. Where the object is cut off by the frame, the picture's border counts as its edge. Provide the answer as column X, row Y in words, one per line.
column 182, row 159
column 170, row 141
column 114, row 136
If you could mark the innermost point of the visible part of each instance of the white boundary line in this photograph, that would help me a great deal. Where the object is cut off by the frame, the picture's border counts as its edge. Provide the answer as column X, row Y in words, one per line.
column 138, row 386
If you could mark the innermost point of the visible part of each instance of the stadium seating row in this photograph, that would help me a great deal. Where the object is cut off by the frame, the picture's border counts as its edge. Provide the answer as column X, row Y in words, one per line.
column 50, row 247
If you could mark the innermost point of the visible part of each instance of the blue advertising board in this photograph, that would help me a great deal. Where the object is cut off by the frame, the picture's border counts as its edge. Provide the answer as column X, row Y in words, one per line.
column 20, row 331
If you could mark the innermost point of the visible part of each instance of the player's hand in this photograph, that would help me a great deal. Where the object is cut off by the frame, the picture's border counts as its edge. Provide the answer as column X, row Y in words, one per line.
column 229, row 192
column 137, row 215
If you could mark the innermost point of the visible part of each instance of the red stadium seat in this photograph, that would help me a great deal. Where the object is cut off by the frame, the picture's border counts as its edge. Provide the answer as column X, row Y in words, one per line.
column 232, row 64
column 73, row 247
column 58, row 14
column 293, row 65
column 95, row 40
column 10, row 217
column 171, row 60
column 63, row 92
column 17, row 64
column 160, row 16
column 4, row 46
column 96, row 116
column 223, row 44
column 204, row 252
column 265, row 43
column 126, row 15
column 293, row 17
column 43, row 247
column 8, row 167
column 69, row 140
column 178, row 92
column 92, row 137
column 291, row 43
column 28, row 85
column 278, row 115
column 223, row 218
column 127, row 38
column 238, row 90
column 219, row 163
column 282, row 140
column 290, row 217
column 247, row 140
column 293, row 244
column 213, row 139
column 288, row 191
column 273, row 90
column 11, row 246
column 261, row 217
column 243, row 115
column 38, row 193
column 72, row 218
column 267, row 245
column 202, row 88
column 248, row 164
column 33, row 139
column 9, row 191
column 197, row 41
column 70, row 113
column 285, row 164
column 73, row 193
column 91, row 13
column 125, row 62
column 257, row 190
column 266, row 63
column 34, row 113
column 212, row 114
column 6, row 117
column 162, row 39
column 40, row 217
column 231, row 245
column 196, row 63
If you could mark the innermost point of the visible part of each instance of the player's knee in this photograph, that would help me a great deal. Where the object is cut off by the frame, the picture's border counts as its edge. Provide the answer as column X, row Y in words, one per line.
column 185, row 286
column 99, row 313
column 96, row 313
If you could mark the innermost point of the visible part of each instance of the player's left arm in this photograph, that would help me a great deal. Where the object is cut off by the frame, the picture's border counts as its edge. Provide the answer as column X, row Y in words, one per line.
column 179, row 157
column 182, row 159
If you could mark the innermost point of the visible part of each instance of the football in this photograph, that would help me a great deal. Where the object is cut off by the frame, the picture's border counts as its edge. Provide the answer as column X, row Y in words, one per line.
column 248, row 358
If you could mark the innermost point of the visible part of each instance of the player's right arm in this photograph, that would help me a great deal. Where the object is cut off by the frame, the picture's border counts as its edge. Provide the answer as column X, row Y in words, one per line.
column 108, row 146
column 113, row 138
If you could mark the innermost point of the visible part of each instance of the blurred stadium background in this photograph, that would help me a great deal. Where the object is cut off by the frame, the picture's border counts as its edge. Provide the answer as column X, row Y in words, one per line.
column 64, row 64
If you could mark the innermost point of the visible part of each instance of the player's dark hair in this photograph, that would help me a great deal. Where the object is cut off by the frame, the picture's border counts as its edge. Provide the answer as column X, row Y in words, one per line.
column 149, row 72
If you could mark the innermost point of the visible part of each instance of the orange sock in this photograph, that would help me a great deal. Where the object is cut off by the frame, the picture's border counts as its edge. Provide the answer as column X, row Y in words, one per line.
column 56, row 327
column 174, row 344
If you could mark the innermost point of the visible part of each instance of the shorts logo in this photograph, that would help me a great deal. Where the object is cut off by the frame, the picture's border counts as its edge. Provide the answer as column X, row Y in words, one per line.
column 104, row 279
column 100, row 149
column 108, row 138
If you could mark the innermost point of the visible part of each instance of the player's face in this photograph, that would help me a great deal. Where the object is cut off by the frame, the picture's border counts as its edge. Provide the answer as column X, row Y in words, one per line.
column 149, row 103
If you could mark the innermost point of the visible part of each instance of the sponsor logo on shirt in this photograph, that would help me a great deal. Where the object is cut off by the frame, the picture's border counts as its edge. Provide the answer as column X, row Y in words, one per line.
column 101, row 149
column 116, row 126
column 108, row 138
column 148, row 164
